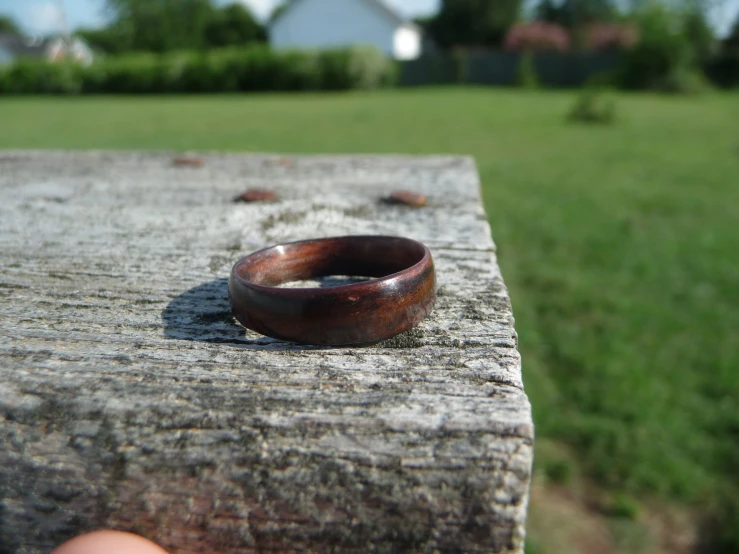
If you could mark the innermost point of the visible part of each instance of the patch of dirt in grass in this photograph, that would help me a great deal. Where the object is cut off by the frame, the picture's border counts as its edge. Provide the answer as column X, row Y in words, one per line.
column 577, row 517
column 560, row 523
column 675, row 529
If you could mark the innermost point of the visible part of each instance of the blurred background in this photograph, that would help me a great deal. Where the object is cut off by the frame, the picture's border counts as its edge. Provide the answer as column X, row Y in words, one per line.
column 607, row 137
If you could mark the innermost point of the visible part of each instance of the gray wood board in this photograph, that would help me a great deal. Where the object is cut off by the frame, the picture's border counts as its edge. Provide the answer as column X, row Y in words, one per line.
column 130, row 398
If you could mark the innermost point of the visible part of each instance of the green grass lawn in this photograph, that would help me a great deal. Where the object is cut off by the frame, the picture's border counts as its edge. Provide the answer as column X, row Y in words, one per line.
column 620, row 244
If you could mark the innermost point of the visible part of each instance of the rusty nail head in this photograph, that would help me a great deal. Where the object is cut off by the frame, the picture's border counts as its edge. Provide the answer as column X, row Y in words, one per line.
column 407, row 198
column 283, row 161
column 257, row 195
column 188, row 161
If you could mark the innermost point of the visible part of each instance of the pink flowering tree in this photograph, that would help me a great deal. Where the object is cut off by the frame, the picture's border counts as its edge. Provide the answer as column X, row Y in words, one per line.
column 537, row 36
column 605, row 36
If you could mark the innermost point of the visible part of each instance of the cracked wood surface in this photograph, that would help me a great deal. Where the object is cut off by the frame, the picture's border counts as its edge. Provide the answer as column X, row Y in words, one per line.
column 129, row 397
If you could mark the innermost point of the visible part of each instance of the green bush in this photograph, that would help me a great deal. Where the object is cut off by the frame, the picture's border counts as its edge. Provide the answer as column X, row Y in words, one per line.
column 683, row 80
column 558, row 471
column 623, row 506
column 200, row 73
column 526, row 76
column 259, row 68
column 370, row 69
column 594, row 105
column 664, row 59
column 333, row 69
column 140, row 73
column 228, row 70
column 660, row 49
column 461, row 66
column 29, row 77
column 301, row 72
column 697, row 31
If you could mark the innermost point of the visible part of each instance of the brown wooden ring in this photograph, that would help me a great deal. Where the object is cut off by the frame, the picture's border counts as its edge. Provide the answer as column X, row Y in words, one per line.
column 401, row 295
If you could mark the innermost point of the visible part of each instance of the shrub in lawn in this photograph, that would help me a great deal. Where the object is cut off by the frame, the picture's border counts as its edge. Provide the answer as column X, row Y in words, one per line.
column 558, row 471
column 623, row 506
column 594, row 105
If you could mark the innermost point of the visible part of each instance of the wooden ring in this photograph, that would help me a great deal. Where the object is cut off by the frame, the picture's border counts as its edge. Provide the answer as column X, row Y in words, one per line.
column 401, row 294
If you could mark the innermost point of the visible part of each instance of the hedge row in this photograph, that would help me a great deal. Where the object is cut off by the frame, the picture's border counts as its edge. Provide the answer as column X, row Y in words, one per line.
column 251, row 69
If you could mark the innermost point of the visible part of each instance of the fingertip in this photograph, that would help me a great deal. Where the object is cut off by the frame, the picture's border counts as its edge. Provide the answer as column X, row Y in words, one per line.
column 109, row 542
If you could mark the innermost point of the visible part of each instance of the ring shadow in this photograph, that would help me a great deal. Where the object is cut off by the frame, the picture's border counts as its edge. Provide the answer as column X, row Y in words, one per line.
column 203, row 314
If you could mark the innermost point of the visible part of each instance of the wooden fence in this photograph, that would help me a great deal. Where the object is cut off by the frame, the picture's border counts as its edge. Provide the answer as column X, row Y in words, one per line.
column 500, row 68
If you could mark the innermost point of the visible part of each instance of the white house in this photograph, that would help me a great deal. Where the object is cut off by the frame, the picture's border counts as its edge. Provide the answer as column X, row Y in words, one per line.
column 315, row 24
column 69, row 48
column 14, row 47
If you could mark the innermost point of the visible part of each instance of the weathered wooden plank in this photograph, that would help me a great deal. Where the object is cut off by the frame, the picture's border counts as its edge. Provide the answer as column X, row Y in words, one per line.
column 130, row 398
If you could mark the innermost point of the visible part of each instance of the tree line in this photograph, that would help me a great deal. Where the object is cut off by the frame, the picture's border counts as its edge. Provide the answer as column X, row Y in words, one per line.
column 485, row 23
column 167, row 25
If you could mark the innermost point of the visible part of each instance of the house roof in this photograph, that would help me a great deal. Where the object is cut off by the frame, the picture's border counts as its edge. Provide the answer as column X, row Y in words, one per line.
column 21, row 46
column 390, row 13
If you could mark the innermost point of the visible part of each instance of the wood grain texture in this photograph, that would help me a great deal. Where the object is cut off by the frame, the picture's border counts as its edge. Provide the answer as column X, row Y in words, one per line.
column 130, row 398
